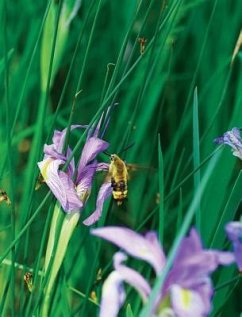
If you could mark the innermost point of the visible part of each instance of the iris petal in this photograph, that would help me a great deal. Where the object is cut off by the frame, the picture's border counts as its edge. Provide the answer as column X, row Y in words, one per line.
column 91, row 149
column 131, row 276
column 186, row 303
column 233, row 139
column 146, row 247
column 59, row 136
column 104, row 192
column 60, row 184
column 234, row 232
column 113, row 295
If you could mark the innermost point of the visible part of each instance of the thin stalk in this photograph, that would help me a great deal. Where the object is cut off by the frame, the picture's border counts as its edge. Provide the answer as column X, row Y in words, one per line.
column 161, row 192
column 88, row 46
column 10, row 156
column 196, row 156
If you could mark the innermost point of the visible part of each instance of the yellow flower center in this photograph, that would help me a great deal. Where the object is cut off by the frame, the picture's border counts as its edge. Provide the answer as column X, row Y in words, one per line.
column 185, row 297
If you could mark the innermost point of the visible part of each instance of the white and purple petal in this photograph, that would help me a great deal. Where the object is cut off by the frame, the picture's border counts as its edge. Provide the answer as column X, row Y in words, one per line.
column 50, row 151
column 186, row 303
column 205, row 289
column 85, row 181
column 91, row 149
column 146, row 247
column 233, row 139
column 102, row 167
column 221, row 257
column 74, row 202
column 60, row 184
column 104, row 192
column 59, row 136
column 113, row 295
column 131, row 276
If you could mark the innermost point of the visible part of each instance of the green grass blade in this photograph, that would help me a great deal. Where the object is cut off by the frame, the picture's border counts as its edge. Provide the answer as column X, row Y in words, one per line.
column 196, row 156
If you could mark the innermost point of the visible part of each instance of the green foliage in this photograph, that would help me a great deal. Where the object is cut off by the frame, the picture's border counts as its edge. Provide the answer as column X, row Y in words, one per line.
column 52, row 50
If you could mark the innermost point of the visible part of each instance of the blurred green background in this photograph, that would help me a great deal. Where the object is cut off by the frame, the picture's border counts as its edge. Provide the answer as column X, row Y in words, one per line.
column 174, row 95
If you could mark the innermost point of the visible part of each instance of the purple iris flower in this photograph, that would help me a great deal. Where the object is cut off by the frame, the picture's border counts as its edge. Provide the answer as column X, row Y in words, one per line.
column 233, row 139
column 187, row 290
column 234, row 232
column 72, row 187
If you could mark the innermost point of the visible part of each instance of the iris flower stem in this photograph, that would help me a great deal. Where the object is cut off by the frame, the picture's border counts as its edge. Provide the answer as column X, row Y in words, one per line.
column 69, row 223
column 52, row 235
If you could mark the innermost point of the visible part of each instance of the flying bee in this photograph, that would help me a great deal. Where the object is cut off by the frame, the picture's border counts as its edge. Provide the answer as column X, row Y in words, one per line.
column 118, row 176
column 118, row 173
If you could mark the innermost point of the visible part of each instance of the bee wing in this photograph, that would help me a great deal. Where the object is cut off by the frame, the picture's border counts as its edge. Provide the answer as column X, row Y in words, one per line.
column 133, row 169
column 137, row 167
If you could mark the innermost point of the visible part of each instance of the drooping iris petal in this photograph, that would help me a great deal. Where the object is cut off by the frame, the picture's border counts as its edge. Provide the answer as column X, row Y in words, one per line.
column 60, row 184
column 186, row 303
column 234, row 232
column 233, row 139
column 113, row 295
column 104, row 192
column 146, row 247
column 131, row 276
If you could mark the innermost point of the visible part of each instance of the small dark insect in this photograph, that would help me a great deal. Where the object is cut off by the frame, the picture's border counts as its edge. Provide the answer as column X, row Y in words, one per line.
column 28, row 278
column 142, row 41
column 40, row 181
column 4, row 197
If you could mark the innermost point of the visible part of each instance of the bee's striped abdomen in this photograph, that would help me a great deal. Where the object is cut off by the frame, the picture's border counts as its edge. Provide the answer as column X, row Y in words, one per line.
column 120, row 190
